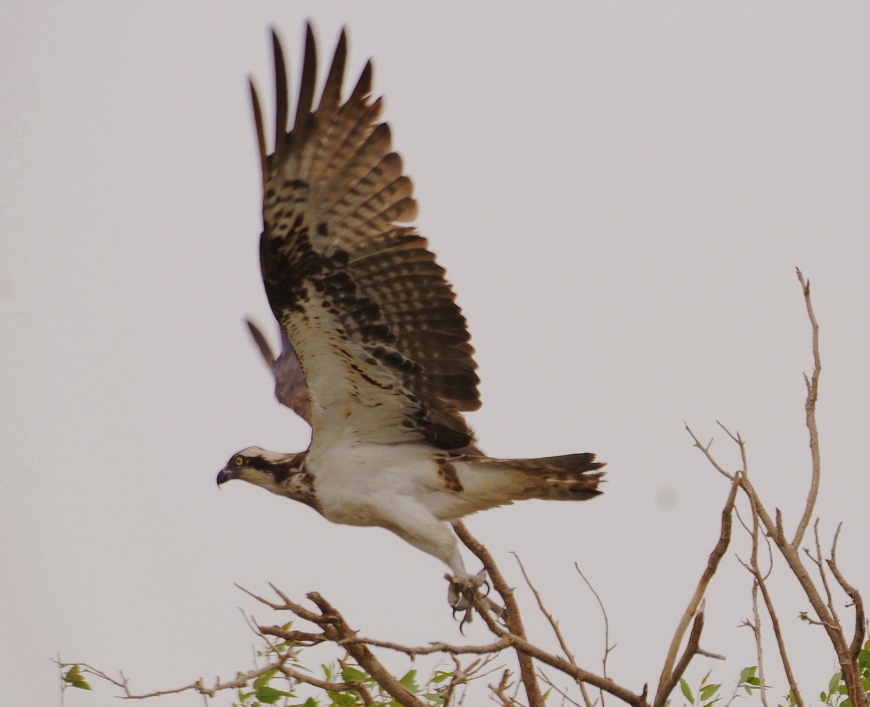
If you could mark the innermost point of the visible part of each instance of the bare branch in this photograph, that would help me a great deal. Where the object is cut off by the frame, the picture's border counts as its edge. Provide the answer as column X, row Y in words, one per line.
column 335, row 629
column 692, row 648
column 668, row 673
column 810, row 407
column 854, row 595
column 521, row 644
column 553, row 623
column 607, row 646
column 820, row 563
column 756, row 625
column 503, row 686
column 760, row 581
column 705, row 449
column 512, row 617
column 411, row 651
column 240, row 680
column 288, row 605
column 565, row 696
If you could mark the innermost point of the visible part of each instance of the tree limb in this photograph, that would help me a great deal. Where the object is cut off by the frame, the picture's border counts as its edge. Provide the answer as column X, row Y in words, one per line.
column 512, row 618
column 810, row 407
column 668, row 673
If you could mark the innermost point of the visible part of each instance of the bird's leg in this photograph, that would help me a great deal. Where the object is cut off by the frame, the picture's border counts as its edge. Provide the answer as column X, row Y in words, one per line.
column 414, row 523
column 463, row 586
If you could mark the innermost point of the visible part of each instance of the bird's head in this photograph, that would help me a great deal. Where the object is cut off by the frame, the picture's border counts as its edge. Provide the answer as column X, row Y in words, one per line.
column 262, row 468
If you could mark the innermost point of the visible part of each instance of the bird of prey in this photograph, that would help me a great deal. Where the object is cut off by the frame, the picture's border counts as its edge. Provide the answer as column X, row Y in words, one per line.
column 376, row 353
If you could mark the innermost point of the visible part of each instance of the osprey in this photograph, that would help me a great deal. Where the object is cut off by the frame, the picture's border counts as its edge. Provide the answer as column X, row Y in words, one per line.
column 376, row 354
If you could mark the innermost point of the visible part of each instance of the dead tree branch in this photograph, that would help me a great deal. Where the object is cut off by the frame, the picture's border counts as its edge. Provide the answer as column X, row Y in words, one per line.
column 854, row 595
column 512, row 617
column 669, row 675
column 810, row 407
column 789, row 550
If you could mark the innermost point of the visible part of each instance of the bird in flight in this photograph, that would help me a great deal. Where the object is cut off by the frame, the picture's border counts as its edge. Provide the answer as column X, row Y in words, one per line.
column 376, row 354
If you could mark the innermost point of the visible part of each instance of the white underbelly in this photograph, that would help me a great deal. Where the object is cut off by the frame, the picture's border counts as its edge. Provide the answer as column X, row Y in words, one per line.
column 371, row 484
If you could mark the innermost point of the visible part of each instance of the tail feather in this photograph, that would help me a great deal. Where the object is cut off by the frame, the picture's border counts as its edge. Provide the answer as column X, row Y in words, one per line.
column 570, row 477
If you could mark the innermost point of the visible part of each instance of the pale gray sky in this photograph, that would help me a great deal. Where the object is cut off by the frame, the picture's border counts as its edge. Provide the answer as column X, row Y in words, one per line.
column 620, row 194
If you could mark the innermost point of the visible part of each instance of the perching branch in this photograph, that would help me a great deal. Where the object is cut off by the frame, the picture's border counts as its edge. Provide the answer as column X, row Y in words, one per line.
column 512, row 617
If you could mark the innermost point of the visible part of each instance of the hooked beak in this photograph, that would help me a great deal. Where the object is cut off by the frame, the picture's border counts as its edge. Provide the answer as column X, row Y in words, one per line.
column 225, row 475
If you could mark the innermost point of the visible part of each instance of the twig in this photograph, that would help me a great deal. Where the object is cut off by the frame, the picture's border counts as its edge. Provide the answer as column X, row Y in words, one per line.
column 761, row 583
column 705, row 449
column 756, row 625
column 607, row 646
column 854, row 595
column 820, row 563
column 790, row 550
column 691, row 650
column 579, row 674
column 810, row 407
column 240, row 680
column 670, row 675
column 411, row 651
column 553, row 623
column 563, row 693
column 502, row 687
column 335, row 629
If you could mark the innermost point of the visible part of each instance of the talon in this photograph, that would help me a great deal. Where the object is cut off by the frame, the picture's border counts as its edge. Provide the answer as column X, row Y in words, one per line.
column 462, row 590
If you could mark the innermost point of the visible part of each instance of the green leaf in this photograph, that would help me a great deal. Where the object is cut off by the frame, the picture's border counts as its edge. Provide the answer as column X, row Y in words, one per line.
column 342, row 699
column 835, row 682
column 264, row 679
column 73, row 678
column 408, row 681
column 440, row 676
column 748, row 673
column 686, row 690
column 708, row 691
column 354, row 675
column 270, row 695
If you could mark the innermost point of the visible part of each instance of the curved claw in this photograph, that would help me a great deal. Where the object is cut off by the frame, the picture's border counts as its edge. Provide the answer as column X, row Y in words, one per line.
column 462, row 590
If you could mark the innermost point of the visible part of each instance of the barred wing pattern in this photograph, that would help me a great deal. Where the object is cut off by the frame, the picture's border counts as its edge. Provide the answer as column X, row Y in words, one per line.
column 383, row 345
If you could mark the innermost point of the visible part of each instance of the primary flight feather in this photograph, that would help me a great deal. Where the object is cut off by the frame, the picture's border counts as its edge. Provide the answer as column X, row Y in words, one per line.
column 376, row 353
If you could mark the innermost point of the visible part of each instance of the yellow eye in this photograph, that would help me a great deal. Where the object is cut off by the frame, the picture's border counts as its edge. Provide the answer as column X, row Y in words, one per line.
column 238, row 461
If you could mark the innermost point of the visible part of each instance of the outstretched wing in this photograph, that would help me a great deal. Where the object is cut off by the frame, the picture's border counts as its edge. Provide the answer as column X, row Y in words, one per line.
column 290, row 388
column 364, row 305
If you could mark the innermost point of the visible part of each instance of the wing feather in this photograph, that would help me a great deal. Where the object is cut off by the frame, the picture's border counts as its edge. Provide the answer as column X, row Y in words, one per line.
column 258, row 123
column 281, row 96
column 383, row 345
